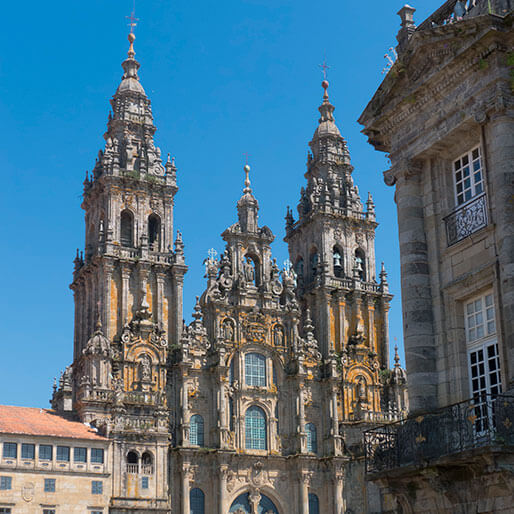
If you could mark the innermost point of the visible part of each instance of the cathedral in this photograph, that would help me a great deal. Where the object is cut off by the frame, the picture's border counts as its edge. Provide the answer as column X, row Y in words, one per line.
column 259, row 404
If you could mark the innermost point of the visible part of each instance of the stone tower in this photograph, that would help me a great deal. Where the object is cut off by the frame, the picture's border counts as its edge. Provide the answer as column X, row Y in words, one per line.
column 128, row 298
column 333, row 251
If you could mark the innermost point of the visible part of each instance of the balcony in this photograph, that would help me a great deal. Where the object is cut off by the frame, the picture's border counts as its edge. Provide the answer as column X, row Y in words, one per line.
column 482, row 422
column 466, row 220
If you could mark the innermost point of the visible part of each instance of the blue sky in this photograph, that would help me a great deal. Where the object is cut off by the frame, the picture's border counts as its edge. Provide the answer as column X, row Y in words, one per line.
column 224, row 78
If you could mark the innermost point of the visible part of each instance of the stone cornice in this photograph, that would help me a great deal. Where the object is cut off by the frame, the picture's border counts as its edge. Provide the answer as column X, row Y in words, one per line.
column 415, row 97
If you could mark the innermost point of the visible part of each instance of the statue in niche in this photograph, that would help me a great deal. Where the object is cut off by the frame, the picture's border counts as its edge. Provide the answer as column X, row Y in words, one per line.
column 145, row 369
column 362, row 395
column 249, row 272
column 279, row 336
column 228, row 330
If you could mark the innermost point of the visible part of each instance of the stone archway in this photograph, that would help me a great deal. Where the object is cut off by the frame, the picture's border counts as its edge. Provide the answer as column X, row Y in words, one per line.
column 253, row 503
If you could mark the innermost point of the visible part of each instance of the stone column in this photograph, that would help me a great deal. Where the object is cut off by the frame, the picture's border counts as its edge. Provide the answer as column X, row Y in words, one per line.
column 108, row 329
column 335, row 420
column 304, row 492
column 384, row 351
column 186, row 475
column 338, row 491
column 301, row 418
column 499, row 149
column 420, row 348
column 341, row 307
column 223, row 508
column 255, row 499
column 177, row 287
column 159, row 297
column 125, row 284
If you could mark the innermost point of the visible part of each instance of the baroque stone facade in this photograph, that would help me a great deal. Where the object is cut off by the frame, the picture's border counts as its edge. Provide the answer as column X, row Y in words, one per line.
column 445, row 116
column 259, row 404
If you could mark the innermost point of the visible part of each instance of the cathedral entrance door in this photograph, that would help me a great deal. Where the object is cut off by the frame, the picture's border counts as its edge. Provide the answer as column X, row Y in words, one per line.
column 254, row 503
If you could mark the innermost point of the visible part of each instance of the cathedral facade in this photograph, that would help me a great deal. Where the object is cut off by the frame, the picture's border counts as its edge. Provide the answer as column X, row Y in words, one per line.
column 259, row 404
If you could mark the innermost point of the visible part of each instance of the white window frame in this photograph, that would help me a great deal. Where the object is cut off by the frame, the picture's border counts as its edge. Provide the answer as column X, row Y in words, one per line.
column 459, row 165
column 480, row 325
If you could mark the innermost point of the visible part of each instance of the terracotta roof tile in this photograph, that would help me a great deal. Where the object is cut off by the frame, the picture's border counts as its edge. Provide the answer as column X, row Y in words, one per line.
column 35, row 421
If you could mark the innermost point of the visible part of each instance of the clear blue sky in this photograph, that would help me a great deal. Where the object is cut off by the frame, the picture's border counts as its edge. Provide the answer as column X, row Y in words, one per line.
column 224, row 78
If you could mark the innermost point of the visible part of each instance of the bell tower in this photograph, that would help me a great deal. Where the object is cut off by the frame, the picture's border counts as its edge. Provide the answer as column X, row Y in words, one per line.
column 332, row 248
column 127, row 287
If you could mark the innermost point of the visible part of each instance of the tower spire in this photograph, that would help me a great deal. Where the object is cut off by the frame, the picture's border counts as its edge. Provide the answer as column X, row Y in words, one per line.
column 247, row 206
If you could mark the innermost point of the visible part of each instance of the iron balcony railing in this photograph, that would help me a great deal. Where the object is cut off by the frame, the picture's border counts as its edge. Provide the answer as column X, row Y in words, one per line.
column 466, row 220
column 483, row 421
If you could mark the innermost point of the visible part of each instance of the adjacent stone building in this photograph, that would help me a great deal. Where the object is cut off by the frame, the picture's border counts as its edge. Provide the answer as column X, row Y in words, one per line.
column 50, row 464
column 257, row 406
column 445, row 115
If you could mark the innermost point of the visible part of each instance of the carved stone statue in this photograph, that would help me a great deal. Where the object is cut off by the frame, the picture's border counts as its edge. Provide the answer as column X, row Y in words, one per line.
column 249, row 272
column 145, row 369
column 228, row 330
column 279, row 336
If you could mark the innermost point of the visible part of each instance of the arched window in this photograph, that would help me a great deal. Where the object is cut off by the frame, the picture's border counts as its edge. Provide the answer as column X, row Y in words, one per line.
column 242, row 504
column 337, row 260
column 196, row 501
column 196, row 430
column 360, row 264
column 132, row 458
column 255, row 429
column 127, row 229
column 132, row 462
column 313, row 504
column 147, row 463
column 312, row 438
column 255, row 369
column 154, row 232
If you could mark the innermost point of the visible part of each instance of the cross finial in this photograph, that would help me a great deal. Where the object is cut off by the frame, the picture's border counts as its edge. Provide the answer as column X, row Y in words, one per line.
column 132, row 18
column 324, row 66
column 246, row 154
column 212, row 254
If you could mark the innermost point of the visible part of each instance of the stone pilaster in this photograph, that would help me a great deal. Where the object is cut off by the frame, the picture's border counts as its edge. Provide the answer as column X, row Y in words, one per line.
column 499, row 139
column 420, row 345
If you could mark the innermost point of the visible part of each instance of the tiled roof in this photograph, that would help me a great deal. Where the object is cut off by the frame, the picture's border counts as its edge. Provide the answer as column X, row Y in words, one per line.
column 42, row 422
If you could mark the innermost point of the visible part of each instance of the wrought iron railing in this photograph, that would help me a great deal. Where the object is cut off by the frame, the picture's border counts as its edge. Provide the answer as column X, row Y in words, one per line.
column 466, row 220
column 483, row 421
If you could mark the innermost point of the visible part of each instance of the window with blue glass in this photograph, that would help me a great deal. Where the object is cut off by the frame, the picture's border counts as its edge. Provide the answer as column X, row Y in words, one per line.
column 63, row 453
column 144, row 482
column 97, row 455
column 49, row 485
column 313, row 504
column 255, row 369
column 242, row 504
column 28, row 451
column 255, row 429
column 5, row 483
column 196, row 432
column 45, row 452
column 312, row 437
column 197, row 501
column 97, row 487
column 79, row 454
column 10, row 450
